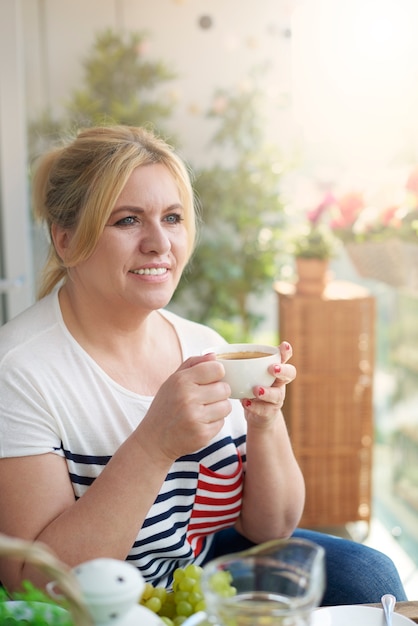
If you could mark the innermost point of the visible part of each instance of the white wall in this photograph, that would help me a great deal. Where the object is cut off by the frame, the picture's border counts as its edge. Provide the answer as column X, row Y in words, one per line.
column 16, row 276
column 60, row 33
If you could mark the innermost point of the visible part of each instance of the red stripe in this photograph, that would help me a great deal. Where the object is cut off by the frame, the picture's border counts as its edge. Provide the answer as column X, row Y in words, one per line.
column 215, row 502
column 213, row 515
column 205, row 471
column 219, row 488
column 210, row 522
column 214, row 509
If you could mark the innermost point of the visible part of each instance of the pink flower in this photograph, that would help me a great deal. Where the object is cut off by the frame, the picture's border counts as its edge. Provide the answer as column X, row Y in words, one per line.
column 349, row 208
column 315, row 214
column 412, row 182
column 389, row 217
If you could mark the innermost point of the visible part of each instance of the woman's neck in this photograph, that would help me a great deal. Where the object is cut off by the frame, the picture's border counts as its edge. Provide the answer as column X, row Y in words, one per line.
column 123, row 348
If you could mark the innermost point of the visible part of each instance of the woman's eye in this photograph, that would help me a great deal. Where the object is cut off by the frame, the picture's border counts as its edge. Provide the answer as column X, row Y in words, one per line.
column 174, row 218
column 126, row 221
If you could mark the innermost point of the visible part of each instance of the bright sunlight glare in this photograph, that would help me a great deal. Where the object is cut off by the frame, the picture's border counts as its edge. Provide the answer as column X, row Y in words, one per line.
column 355, row 76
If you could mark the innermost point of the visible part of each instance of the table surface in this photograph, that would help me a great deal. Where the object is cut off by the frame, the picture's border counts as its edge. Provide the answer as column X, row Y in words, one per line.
column 408, row 609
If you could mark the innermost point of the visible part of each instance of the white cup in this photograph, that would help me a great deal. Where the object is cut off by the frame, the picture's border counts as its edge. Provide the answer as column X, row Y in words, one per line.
column 246, row 366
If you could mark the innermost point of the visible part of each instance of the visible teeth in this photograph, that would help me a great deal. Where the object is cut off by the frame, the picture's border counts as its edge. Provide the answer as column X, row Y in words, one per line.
column 153, row 271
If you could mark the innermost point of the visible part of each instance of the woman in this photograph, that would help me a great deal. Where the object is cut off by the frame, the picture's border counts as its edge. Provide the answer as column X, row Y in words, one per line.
column 116, row 438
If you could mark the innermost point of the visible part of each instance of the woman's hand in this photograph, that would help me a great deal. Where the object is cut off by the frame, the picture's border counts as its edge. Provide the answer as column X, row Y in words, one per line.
column 188, row 410
column 268, row 401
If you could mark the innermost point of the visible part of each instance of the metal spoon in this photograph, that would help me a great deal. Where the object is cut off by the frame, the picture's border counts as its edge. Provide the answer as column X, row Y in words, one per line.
column 388, row 602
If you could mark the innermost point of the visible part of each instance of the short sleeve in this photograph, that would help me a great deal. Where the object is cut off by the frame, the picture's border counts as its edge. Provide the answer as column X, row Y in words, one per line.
column 26, row 425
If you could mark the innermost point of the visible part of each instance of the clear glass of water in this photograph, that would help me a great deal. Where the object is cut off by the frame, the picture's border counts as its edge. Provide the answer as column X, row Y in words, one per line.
column 276, row 583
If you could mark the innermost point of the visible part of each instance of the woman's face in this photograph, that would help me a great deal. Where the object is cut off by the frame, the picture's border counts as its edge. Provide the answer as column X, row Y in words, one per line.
column 143, row 250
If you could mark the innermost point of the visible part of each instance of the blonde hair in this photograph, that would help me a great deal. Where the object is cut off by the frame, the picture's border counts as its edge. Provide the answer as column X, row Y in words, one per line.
column 76, row 186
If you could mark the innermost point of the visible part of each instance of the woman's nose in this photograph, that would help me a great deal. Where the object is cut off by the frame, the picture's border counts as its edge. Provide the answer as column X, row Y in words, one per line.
column 155, row 239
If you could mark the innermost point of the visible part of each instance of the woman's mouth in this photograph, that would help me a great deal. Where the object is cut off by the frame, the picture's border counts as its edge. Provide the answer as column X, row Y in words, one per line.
column 151, row 271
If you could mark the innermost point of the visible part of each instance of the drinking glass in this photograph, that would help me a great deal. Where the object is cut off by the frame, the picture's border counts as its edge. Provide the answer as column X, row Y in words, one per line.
column 276, row 583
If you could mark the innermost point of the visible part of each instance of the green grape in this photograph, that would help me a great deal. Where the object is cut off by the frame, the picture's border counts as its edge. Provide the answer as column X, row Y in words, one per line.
column 148, row 591
column 179, row 596
column 161, row 593
column 221, row 581
column 195, row 597
column 186, row 597
column 186, row 584
column 153, row 604
column 168, row 609
column 200, row 606
column 178, row 575
column 184, row 608
column 193, row 571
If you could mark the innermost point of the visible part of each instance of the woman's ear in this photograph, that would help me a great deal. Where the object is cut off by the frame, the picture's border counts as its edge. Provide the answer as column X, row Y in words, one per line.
column 61, row 238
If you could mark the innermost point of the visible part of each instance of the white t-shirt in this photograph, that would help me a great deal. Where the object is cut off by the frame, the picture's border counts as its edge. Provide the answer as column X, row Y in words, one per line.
column 55, row 398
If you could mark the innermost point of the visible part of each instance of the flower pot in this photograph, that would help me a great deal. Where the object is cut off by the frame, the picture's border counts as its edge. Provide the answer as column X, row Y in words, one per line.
column 312, row 276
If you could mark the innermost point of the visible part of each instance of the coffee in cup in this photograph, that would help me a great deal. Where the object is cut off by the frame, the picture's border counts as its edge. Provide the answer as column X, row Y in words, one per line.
column 240, row 355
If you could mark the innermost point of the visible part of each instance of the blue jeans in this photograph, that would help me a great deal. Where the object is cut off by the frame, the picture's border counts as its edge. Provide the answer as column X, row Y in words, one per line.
column 356, row 574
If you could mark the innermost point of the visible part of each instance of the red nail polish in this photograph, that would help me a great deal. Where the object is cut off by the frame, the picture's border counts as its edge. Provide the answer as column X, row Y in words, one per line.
column 247, row 403
column 277, row 369
column 287, row 346
column 261, row 391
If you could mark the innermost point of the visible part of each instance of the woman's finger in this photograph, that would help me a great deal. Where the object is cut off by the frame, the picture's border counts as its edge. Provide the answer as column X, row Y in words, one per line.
column 286, row 351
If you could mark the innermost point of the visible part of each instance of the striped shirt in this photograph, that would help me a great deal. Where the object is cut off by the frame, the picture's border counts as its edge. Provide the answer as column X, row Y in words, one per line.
column 56, row 398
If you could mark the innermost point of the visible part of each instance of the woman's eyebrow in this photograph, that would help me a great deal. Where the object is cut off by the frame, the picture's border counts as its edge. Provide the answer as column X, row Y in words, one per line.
column 128, row 207
column 137, row 209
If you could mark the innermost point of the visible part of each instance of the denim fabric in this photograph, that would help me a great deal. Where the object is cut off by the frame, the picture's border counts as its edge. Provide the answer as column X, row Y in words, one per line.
column 356, row 574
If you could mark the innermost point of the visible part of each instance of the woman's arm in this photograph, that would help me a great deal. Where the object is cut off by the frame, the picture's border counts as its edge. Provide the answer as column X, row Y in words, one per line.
column 37, row 500
column 274, row 490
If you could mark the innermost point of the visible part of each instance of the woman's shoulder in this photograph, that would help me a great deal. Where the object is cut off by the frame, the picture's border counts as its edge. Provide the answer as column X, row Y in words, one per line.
column 193, row 336
column 28, row 324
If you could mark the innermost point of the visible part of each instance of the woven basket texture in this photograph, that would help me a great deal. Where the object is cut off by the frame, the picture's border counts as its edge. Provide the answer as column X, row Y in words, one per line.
column 393, row 262
column 42, row 557
column 328, row 407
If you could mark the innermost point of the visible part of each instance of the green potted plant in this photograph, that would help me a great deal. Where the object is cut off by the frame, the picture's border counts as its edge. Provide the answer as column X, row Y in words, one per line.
column 313, row 245
column 314, row 241
column 120, row 85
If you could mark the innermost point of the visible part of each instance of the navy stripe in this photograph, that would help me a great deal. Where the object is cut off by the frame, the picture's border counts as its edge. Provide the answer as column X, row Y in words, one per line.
column 81, row 480
column 174, row 509
column 182, row 475
column 86, row 458
column 239, row 441
column 163, row 497
column 223, row 463
column 140, row 545
column 198, row 456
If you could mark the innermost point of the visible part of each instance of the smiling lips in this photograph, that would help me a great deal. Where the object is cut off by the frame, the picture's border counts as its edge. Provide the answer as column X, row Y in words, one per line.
column 151, row 271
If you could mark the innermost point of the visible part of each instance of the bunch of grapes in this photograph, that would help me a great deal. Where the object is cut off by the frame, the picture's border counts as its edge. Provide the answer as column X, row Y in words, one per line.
column 186, row 598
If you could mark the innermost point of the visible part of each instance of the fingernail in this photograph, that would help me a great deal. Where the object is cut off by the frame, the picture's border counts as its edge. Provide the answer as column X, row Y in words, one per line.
column 277, row 369
column 261, row 391
column 287, row 345
column 247, row 403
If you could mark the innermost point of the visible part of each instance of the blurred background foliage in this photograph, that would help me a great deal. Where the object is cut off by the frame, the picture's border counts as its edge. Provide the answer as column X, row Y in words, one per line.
column 119, row 86
column 242, row 219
